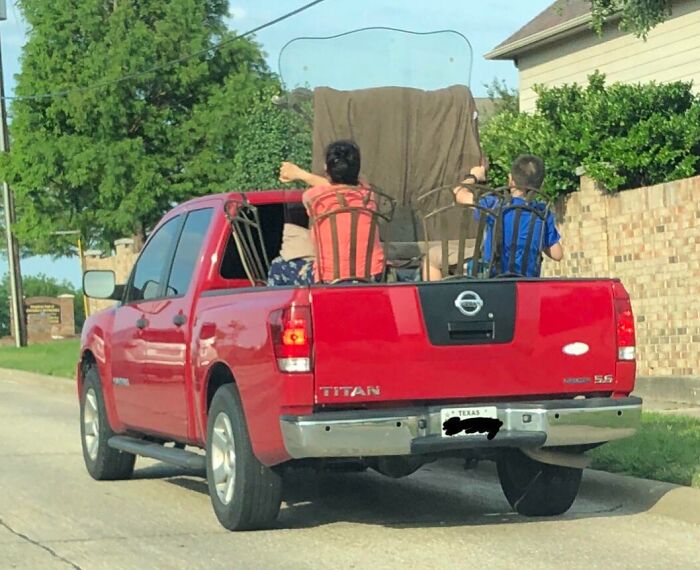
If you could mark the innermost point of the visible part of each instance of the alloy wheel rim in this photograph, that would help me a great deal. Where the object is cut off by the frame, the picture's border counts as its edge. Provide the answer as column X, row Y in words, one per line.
column 91, row 424
column 223, row 458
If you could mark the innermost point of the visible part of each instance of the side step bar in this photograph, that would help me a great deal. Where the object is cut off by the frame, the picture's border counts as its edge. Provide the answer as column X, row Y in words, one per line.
column 179, row 457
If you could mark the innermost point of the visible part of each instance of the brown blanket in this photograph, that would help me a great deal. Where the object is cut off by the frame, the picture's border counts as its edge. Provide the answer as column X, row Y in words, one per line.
column 411, row 140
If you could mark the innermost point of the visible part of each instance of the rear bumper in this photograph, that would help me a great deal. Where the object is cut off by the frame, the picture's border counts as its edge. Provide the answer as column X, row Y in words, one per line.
column 419, row 430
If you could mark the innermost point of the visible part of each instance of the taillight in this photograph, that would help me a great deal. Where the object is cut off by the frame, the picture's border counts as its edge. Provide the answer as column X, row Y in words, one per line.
column 624, row 323
column 292, row 338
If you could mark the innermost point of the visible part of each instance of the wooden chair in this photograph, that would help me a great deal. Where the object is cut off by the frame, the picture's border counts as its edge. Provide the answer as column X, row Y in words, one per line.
column 441, row 212
column 361, row 208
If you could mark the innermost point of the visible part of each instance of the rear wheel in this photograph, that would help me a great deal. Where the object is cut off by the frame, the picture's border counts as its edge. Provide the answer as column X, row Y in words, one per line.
column 534, row 488
column 102, row 462
column 245, row 494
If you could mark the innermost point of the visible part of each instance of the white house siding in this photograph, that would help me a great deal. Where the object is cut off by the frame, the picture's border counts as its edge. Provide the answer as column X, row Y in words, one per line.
column 671, row 53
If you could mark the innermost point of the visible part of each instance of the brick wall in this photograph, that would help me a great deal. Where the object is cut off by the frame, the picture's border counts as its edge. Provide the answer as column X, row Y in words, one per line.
column 650, row 239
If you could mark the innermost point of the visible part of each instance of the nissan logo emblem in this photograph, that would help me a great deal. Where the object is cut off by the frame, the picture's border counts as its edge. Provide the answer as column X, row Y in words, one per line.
column 469, row 303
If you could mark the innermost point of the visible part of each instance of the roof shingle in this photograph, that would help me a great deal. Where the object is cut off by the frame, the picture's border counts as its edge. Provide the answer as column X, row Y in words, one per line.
column 558, row 13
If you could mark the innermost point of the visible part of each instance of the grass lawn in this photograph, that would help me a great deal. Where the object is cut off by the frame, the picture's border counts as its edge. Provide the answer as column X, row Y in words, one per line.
column 666, row 448
column 57, row 358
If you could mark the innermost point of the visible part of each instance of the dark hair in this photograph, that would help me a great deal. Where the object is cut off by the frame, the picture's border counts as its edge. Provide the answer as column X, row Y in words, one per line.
column 343, row 162
column 528, row 172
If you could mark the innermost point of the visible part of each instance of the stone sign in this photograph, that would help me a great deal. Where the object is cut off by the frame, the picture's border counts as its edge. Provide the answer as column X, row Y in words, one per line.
column 49, row 318
column 51, row 312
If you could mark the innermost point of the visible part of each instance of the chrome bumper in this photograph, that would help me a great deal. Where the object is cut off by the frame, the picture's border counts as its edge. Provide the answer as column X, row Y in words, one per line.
column 419, row 430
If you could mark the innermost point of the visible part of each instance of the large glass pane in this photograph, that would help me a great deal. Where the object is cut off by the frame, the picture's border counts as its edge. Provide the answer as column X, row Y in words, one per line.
column 377, row 57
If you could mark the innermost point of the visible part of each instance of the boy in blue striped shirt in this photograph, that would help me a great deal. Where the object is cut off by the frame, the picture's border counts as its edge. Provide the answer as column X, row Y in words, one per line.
column 527, row 172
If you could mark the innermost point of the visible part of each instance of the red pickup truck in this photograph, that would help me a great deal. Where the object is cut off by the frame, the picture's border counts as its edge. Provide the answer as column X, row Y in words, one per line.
column 529, row 373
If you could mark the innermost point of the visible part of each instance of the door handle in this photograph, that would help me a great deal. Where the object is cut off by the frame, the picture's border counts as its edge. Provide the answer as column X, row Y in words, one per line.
column 474, row 330
column 179, row 320
column 141, row 323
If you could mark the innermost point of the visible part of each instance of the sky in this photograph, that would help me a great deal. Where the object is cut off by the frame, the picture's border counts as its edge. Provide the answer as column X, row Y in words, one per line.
column 485, row 24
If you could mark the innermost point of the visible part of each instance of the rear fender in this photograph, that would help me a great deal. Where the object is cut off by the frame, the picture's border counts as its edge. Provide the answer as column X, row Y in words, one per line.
column 233, row 330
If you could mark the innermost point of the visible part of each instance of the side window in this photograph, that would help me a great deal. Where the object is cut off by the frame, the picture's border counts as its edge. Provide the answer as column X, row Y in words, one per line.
column 148, row 272
column 188, row 251
column 272, row 220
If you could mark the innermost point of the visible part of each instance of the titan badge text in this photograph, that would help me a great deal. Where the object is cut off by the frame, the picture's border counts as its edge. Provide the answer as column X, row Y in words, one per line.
column 350, row 391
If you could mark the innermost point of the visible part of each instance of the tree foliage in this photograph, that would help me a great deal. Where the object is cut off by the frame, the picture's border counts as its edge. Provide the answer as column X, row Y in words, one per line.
column 636, row 16
column 110, row 161
column 505, row 99
column 625, row 136
column 39, row 286
column 272, row 135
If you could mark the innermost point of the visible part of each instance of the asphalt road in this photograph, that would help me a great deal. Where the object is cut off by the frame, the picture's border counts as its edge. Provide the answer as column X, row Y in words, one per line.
column 53, row 515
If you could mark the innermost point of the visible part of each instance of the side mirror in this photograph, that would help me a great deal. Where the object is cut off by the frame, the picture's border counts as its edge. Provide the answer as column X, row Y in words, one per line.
column 101, row 285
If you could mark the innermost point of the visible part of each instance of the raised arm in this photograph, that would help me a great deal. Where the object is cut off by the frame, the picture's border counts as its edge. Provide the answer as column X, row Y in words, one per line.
column 290, row 172
column 464, row 195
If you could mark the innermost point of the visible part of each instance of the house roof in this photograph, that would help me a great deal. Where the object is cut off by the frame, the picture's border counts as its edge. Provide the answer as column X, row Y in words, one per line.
column 561, row 17
column 485, row 106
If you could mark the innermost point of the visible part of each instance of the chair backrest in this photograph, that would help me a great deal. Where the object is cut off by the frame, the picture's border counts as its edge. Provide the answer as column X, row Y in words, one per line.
column 471, row 259
column 526, row 217
column 345, row 224
column 248, row 237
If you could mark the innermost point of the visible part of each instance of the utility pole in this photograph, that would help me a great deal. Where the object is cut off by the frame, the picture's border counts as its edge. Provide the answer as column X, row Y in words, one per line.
column 18, row 319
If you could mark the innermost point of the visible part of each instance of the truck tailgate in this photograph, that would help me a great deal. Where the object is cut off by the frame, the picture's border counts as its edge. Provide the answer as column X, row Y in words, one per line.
column 430, row 341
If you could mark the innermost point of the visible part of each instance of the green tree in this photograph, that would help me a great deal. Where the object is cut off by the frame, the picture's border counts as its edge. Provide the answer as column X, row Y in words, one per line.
column 273, row 135
column 636, row 16
column 110, row 161
column 39, row 286
column 505, row 99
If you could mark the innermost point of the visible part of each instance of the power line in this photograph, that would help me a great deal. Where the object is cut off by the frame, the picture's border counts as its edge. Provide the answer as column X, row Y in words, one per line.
column 166, row 64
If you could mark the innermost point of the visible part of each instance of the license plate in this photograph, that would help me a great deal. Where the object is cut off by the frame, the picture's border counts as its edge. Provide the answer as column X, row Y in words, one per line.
column 458, row 421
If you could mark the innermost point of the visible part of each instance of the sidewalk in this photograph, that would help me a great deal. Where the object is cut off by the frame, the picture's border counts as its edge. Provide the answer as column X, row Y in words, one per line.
column 682, row 391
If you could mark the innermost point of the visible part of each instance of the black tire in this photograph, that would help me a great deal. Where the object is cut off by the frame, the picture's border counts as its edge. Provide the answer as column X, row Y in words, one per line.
column 536, row 489
column 256, row 490
column 102, row 462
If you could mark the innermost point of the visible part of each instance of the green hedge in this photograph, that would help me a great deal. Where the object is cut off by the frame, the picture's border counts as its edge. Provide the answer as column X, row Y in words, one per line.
column 625, row 136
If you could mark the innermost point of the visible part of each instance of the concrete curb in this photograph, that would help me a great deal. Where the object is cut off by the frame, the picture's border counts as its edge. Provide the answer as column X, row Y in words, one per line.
column 627, row 495
column 53, row 383
column 644, row 495
column 679, row 389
